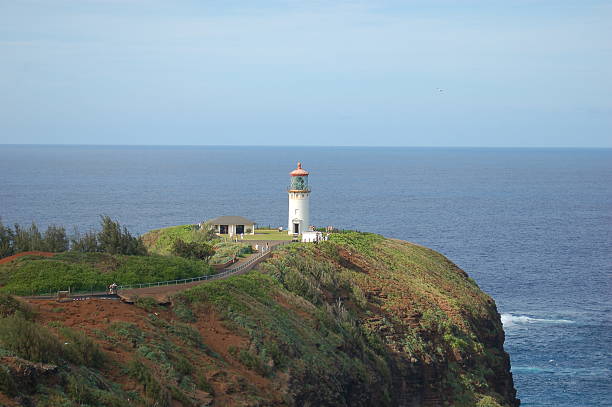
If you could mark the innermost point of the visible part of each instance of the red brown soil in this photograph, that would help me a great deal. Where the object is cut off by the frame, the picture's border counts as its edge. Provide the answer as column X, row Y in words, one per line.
column 221, row 340
column 5, row 401
column 226, row 378
column 35, row 253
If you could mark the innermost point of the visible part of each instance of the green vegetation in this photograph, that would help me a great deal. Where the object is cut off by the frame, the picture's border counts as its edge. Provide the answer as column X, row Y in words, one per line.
column 161, row 241
column 69, row 378
column 21, row 239
column 226, row 251
column 193, row 250
column 358, row 320
column 194, row 241
column 268, row 234
column 92, row 271
column 116, row 240
column 112, row 238
column 345, row 316
column 9, row 305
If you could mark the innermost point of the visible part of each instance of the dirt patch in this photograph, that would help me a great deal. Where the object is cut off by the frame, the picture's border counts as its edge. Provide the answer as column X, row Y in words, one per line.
column 5, row 401
column 34, row 253
column 226, row 375
column 221, row 340
column 283, row 301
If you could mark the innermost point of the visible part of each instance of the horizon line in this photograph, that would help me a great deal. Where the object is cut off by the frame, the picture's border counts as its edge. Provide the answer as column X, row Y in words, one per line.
column 302, row 145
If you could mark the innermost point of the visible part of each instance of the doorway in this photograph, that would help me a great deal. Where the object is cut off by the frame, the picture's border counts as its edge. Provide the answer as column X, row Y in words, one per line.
column 239, row 229
column 296, row 228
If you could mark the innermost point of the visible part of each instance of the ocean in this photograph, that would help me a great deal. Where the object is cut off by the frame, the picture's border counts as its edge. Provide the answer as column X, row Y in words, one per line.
column 532, row 226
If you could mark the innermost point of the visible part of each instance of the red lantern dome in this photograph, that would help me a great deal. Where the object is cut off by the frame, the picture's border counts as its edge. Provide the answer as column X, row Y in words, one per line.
column 299, row 172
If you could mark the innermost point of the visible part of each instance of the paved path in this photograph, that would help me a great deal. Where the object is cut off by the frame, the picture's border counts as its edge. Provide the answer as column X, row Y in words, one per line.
column 162, row 293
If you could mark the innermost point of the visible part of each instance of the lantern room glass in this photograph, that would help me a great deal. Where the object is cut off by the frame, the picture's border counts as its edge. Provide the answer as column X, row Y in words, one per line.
column 299, row 183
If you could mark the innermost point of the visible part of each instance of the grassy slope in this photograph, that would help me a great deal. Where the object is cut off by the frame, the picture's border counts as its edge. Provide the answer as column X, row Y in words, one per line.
column 87, row 271
column 343, row 323
column 160, row 242
column 268, row 234
column 337, row 316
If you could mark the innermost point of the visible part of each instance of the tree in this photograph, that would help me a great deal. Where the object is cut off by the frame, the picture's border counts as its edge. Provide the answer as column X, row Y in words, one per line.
column 29, row 239
column 115, row 240
column 55, row 239
column 87, row 243
column 193, row 250
column 204, row 233
column 6, row 240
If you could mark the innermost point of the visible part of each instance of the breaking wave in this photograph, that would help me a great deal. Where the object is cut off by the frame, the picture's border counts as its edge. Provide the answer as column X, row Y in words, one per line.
column 510, row 320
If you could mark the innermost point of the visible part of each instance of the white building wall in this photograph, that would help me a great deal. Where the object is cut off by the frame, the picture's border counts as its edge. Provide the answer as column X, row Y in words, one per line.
column 299, row 208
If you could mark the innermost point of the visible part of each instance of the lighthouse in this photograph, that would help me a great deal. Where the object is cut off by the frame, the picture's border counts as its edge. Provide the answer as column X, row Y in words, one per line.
column 299, row 201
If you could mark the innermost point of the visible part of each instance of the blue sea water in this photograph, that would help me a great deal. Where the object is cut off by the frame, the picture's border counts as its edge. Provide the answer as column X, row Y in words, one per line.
column 532, row 226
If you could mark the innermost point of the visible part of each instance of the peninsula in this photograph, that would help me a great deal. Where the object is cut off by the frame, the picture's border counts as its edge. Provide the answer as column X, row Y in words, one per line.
column 357, row 320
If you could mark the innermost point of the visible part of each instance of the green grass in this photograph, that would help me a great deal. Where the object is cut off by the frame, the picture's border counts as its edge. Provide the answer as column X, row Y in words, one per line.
column 225, row 251
column 337, row 323
column 267, row 234
column 326, row 353
column 353, row 302
column 92, row 271
column 160, row 241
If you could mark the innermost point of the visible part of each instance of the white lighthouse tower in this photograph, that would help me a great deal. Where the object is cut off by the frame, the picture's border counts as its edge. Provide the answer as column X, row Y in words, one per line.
column 299, row 201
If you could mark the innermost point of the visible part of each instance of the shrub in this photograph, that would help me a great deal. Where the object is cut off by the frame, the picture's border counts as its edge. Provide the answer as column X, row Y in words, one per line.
column 128, row 332
column 87, row 243
column 203, row 384
column 487, row 401
column 7, row 384
column 249, row 360
column 146, row 303
column 153, row 390
column 115, row 240
column 83, row 349
column 192, row 250
column 182, row 310
column 93, row 271
column 6, row 240
column 29, row 340
column 226, row 251
column 10, row 305
column 26, row 239
column 80, row 392
column 55, row 239
column 188, row 334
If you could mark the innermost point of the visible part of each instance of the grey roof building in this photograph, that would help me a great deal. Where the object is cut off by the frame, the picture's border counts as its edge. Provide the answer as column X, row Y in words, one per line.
column 233, row 225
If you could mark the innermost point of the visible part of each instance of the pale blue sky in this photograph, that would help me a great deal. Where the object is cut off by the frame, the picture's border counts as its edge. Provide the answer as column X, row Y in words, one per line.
column 513, row 72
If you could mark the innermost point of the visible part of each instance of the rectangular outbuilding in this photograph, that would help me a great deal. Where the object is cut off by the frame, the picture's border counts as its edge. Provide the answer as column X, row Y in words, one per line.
column 233, row 225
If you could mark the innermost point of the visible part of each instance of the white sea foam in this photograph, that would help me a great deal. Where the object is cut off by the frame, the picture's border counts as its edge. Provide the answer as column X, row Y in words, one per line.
column 510, row 320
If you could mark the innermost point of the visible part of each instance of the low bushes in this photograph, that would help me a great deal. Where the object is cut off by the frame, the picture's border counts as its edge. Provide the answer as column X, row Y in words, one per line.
column 93, row 271
column 192, row 250
column 30, row 341
column 10, row 305
column 36, row 343
column 82, row 349
column 226, row 251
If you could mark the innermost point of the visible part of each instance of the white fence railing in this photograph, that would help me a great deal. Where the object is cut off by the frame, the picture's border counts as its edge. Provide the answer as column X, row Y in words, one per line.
column 228, row 271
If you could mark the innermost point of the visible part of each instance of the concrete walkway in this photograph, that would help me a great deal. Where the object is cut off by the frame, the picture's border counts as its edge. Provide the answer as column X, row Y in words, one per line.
column 162, row 293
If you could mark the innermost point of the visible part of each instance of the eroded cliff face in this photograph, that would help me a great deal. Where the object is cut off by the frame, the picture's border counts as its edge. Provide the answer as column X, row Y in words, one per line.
column 379, row 322
column 356, row 321
column 443, row 336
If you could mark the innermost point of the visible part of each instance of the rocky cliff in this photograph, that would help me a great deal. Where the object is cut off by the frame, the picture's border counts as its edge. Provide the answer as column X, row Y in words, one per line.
column 359, row 320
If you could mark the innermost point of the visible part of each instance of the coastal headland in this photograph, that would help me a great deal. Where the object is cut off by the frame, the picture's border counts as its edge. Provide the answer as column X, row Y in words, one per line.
column 359, row 320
